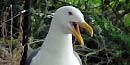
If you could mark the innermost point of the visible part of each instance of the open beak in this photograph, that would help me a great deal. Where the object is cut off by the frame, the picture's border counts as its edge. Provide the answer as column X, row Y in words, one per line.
column 76, row 31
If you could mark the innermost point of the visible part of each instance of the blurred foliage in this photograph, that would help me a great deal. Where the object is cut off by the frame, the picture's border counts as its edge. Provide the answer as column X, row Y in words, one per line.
column 111, row 23
column 110, row 20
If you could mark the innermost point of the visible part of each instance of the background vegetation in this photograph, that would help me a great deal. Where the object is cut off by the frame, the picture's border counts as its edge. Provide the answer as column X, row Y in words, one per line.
column 110, row 20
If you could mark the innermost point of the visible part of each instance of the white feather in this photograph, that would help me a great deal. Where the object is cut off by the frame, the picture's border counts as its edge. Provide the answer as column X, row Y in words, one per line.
column 57, row 48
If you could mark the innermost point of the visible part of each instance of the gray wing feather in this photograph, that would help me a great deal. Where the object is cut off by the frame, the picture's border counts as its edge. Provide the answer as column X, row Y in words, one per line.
column 34, row 53
column 77, row 56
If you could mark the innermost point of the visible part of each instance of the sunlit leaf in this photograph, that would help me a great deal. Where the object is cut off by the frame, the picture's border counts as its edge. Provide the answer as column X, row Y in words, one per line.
column 127, row 20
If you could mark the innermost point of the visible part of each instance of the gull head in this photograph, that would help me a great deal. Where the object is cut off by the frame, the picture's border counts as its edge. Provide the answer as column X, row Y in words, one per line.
column 69, row 19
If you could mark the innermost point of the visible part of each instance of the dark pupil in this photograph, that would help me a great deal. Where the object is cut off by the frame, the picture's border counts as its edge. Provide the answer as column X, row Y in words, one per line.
column 70, row 13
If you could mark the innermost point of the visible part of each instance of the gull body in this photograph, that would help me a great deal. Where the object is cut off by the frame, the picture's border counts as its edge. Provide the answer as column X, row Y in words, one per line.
column 57, row 48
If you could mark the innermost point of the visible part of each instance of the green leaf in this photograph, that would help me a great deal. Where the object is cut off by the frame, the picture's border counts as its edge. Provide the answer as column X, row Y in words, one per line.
column 122, row 1
column 96, row 2
column 112, row 4
column 127, row 21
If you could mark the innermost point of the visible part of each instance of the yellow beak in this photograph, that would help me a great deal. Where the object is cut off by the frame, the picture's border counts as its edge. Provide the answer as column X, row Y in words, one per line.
column 77, row 34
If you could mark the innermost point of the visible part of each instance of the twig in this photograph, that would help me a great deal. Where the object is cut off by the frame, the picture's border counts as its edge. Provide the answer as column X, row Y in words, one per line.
column 94, row 52
column 11, row 29
column 108, row 58
column 37, row 41
column 23, row 11
column 66, row 3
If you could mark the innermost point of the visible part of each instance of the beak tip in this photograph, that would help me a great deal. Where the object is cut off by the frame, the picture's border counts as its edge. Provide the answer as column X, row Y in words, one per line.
column 91, row 35
column 82, row 45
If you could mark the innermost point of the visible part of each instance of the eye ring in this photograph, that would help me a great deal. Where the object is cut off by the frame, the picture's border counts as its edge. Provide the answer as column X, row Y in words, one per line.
column 70, row 13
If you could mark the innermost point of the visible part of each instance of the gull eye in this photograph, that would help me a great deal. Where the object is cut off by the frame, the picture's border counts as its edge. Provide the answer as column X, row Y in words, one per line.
column 70, row 13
